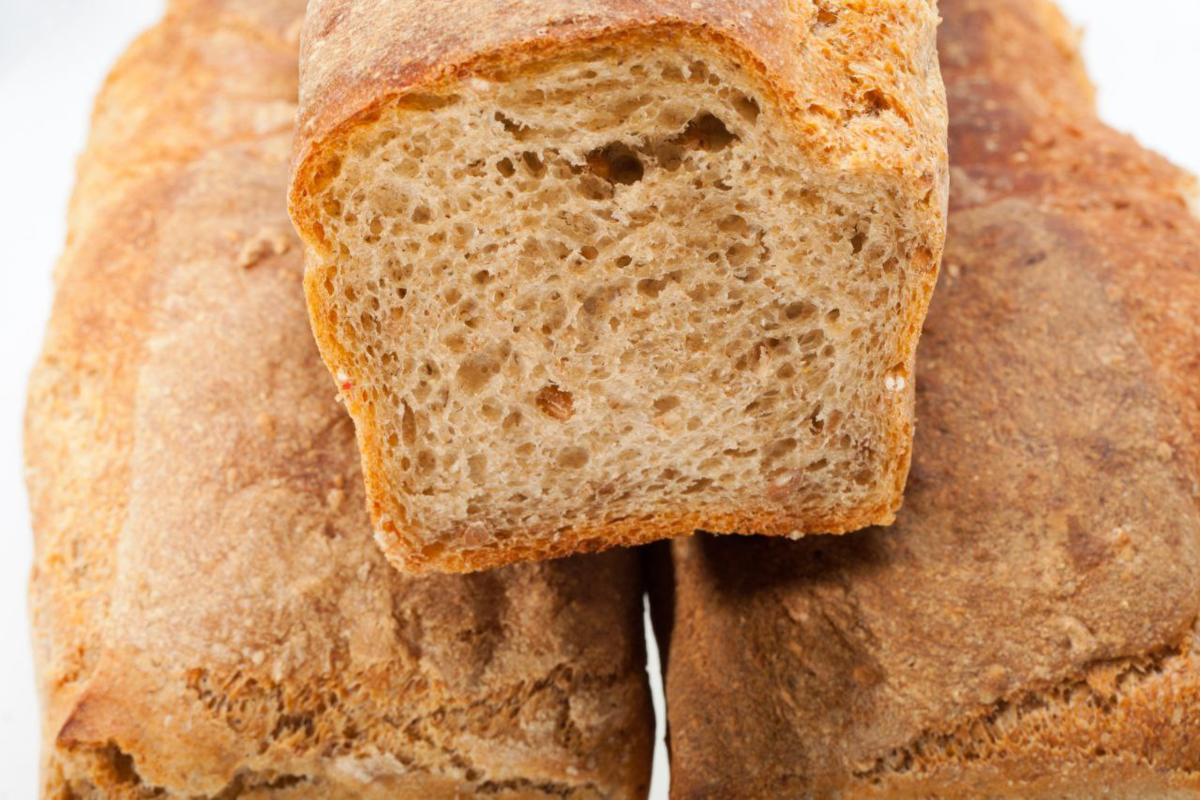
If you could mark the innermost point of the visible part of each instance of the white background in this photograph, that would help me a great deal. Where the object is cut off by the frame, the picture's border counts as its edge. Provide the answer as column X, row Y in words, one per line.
column 53, row 56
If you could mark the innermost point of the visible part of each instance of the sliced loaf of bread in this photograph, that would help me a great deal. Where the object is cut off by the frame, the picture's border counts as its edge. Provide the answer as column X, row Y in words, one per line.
column 600, row 273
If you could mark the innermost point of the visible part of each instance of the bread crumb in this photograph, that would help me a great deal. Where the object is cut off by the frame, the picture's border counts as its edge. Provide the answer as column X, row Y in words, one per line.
column 267, row 242
column 475, row 535
column 335, row 498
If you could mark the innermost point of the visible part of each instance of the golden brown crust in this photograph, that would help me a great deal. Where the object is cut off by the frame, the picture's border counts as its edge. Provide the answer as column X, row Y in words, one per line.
column 211, row 615
column 359, row 55
column 823, row 63
column 1028, row 626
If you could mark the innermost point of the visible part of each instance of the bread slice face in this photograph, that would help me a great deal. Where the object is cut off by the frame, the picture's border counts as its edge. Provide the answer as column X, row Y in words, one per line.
column 614, row 294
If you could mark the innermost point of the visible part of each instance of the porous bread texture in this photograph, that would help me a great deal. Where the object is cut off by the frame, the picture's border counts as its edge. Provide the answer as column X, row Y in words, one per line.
column 614, row 292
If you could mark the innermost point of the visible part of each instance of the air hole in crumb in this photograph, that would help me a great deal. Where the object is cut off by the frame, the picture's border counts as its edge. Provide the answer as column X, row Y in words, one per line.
column 421, row 215
column 922, row 258
column 511, row 126
column 876, row 102
column 555, row 403
column 649, row 287
column 738, row 254
column 534, row 164
column 477, row 467
column 825, row 17
column 617, row 164
column 706, row 132
column 747, row 107
column 589, row 252
column 573, row 457
column 857, row 241
column 476, row 371
column 505, row 167
column 799, row 310
column 665, row 404
column 734, row 223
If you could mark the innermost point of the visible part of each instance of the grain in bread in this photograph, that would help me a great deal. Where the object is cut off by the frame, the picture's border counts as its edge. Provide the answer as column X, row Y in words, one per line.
column 1029, row 625
column 211, row 615
column 600, row 273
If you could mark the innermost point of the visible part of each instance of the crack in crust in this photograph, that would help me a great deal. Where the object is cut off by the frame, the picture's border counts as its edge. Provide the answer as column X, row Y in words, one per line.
column 1034, row 718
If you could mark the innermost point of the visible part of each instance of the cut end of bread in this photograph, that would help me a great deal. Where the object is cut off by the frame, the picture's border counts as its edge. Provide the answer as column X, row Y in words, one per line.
column 615, row 298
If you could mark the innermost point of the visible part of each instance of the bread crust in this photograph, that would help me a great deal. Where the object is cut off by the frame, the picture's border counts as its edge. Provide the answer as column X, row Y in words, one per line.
column 211, row 616
column 361, row 56
column 1028, row 626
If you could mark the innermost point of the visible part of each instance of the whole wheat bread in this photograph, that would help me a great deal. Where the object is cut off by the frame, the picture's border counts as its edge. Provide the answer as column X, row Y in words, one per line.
column 596, row 273
column 211, row 615
column 1028, row 626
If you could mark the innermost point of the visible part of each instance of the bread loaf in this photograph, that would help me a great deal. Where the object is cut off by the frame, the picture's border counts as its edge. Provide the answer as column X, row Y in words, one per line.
column 1028, row 626
column 596, row 273
column 211, row 615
